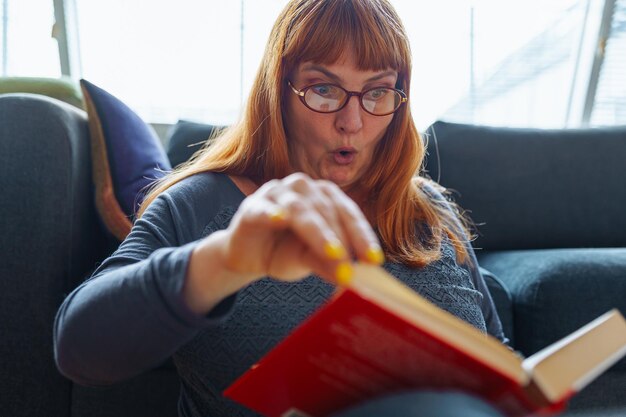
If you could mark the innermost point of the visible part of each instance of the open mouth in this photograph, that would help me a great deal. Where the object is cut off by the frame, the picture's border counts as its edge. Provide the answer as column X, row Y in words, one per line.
column 344, row 156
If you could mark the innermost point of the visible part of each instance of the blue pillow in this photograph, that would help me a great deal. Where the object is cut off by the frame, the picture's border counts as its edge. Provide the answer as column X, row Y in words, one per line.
column 127, row 157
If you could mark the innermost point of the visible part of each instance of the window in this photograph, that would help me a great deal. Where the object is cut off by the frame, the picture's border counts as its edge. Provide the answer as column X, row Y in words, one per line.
column 481, row 61
column 26, row 44
column 166, row 60
column 498, row 63
column 609, row 106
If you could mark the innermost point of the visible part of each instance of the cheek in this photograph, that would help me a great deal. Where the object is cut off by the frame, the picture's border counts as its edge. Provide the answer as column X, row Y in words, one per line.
column 380, row 127
column 297, row 120
column 309, row 128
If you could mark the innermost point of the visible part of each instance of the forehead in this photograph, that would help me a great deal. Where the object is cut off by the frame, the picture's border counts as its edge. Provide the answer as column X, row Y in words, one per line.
column 345, row 68
column 342, row 72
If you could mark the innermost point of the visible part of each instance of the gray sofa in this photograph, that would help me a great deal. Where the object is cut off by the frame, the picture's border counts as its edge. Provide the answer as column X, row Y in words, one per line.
column 552, row 229
column 541, row 196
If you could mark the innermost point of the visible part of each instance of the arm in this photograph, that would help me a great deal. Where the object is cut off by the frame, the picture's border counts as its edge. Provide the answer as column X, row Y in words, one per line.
column 153, row 294
column 130, row 316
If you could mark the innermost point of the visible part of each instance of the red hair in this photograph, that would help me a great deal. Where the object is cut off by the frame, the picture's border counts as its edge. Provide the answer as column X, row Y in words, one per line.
column 257, row 147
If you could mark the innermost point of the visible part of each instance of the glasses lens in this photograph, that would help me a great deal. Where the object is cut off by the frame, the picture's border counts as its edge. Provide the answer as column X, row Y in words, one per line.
column 380, row 101
column 324, row 97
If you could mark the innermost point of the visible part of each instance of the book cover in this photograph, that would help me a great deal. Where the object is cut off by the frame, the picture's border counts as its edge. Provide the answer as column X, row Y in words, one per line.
column 378, row 336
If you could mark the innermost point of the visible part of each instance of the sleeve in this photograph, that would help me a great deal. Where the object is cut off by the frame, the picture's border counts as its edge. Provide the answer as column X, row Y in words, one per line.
column 492, row 319
column 490, row 314
column 130, row 316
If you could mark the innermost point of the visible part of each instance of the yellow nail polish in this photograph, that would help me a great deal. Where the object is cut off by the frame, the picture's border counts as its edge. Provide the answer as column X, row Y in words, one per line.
column 375, row 255
column 343, row 273
column 334, row 250
column 277, row 214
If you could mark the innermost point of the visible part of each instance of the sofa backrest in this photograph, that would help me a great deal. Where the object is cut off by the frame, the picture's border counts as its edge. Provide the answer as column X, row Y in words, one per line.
column 534, row 188
column 49, row 239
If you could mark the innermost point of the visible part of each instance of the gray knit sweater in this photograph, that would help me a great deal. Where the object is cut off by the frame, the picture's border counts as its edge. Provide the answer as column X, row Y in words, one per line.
column 130, row 316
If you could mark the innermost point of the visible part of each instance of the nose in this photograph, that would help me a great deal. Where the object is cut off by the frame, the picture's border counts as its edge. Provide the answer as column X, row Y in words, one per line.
column 349, row 119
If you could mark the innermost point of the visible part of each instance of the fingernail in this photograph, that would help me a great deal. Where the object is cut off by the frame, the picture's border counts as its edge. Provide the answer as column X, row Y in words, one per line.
column 334, row 250
column 277, row 214
column 343, row 273
column 375, row 255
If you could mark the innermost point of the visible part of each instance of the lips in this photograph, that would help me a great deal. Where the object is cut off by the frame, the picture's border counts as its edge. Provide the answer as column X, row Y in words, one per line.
column 344, row 156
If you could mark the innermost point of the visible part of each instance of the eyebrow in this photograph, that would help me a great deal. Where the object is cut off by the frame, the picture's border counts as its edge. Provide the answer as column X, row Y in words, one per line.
column 313, row 67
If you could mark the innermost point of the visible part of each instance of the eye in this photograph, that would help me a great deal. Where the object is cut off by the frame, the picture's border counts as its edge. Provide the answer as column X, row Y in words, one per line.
column 327, row 90
column 376, row 94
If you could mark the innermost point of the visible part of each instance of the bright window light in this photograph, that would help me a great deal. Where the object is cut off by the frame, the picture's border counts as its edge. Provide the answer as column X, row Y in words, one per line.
column 27, row 48
column 493, row 62
column 165, row 60
column 478, row 61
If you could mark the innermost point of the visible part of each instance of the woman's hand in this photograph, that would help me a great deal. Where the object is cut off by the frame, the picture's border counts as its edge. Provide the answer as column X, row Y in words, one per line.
column 287, row 229
column 292, row 227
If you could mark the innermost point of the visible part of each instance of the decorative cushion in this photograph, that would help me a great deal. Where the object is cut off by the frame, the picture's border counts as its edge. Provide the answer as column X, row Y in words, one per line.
column 127, row 156
column 185, row 138
column 64, row 89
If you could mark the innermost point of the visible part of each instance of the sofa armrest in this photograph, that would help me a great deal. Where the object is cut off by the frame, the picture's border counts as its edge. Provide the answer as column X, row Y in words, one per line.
column 49, row 237
column 557, row 291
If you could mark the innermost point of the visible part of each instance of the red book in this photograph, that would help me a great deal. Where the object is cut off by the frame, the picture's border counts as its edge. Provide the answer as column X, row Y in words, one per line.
column 378, row 336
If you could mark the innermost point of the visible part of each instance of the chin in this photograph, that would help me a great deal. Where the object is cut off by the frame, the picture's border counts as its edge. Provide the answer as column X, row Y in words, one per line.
column 344, row 177
column 343, row 181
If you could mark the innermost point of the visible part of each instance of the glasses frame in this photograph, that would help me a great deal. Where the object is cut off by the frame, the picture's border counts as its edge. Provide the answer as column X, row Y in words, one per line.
column 349, row 94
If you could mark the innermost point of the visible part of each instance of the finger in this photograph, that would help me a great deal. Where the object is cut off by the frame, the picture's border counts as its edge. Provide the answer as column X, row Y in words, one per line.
column 359, row 232
column 294, row 261
column 311, row 227
column 320, row 201
column 261, row 206
column 338, row 273
column 310, row 197
column 262, row 212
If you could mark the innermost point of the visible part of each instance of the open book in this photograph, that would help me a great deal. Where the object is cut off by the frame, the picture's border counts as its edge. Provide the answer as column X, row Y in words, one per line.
column 378, row 336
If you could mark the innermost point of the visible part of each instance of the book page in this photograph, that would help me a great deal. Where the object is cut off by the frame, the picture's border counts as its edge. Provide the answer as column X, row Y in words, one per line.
column 570, row 364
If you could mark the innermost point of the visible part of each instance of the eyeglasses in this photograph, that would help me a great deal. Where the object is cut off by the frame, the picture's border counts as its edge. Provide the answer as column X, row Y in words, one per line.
column 330, row 98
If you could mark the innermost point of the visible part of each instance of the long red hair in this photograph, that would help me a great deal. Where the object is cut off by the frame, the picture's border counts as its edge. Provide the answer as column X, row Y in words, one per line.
column 409, row 222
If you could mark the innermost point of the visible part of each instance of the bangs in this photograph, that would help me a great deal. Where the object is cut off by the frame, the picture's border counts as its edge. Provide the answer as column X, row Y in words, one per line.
column 324, row 30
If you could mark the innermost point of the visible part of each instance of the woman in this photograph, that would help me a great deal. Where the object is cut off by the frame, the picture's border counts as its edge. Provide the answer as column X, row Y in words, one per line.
column 319, row 172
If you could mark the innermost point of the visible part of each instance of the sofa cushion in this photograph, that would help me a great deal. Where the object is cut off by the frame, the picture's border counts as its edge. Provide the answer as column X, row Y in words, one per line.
column 127, row 157
column 556, row 291
column 186, row 138
column 604, row 397
column 534, row 188
column 154, row 393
